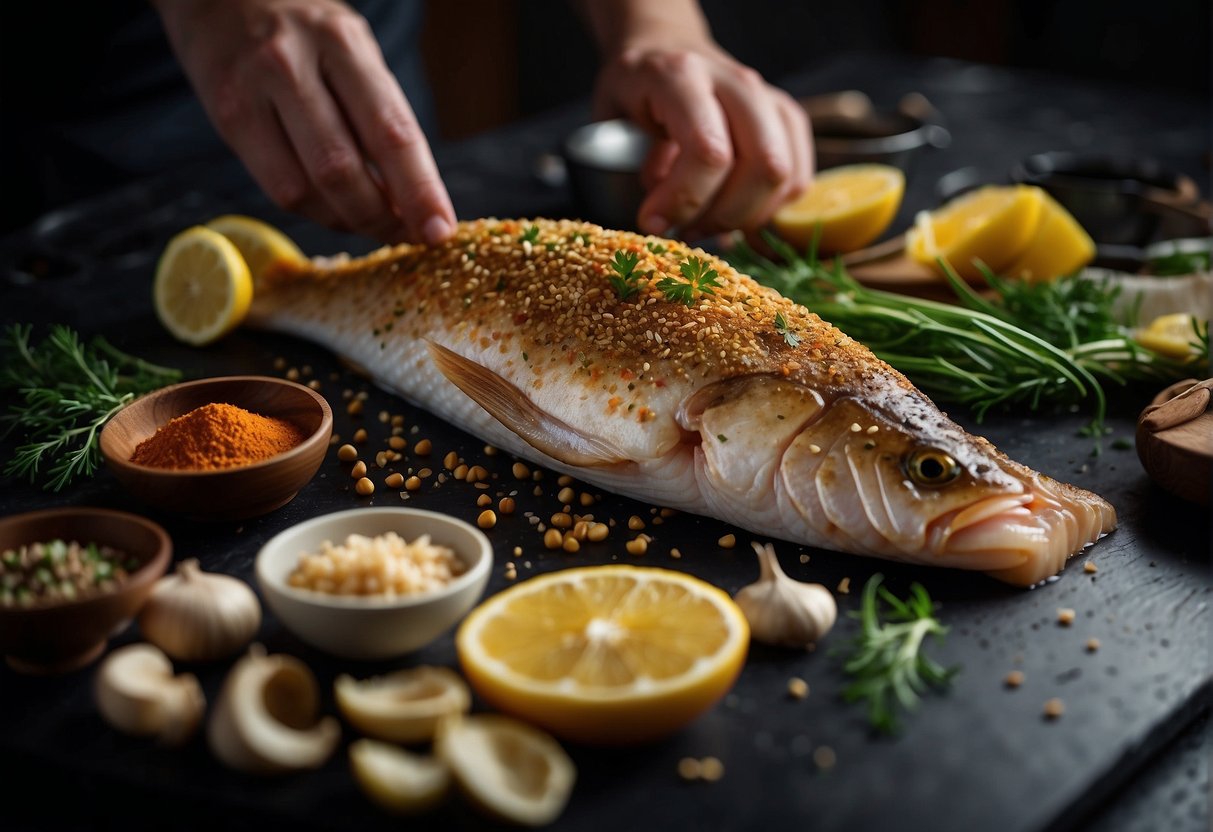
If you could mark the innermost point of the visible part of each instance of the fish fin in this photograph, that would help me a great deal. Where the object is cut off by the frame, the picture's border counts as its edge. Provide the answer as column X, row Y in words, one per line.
column 511, row 407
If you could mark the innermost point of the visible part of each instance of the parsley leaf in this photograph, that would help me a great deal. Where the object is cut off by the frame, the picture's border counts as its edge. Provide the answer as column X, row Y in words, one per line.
column 626, row 281
column 531, row 235
column 700, row 279
column 655, row 248
column 781, row 326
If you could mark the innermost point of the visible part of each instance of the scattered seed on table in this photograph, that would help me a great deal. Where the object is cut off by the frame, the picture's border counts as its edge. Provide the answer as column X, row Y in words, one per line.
column 798, row 688
column 364, row 487
column 537, row 491
column 413, row 483
column 1090, row 568
column 450, row 461
column 668, row 512
column 537, row 475
column 1065, row 616
column 635, row 523
column 359, row 470
column 517, row 551
column 347, row 394
column 597, row 532
column 381, row 459
column 489, row 450
column 506, row 506
column 657, row 521
column 637, row 545
column 553, row 539
column 728, row 541
column 425, row 472
column 1092, row 645
column 292, row 374
column 566, row 495
column 477, row 473
column 314, row 384
column 483, row 500
column 711, row 769
column 398, row 421
column 561, row 520
column 279, row 363
column 564, row 479
column 359, row 436
column 585, row 498
column 487, row 519
column 689, row 769
column 520, row 471
column 824, row 757
column 1054, row 708
column 354, row 408
column 804, row 558
column 675, row 554
column 397, row 443
column 423, row 447
column 844, row 586
column 335, row 439
column 569, row 543
column 1013, row 679
column 580, row 530
column 394, row 480
column 347, row 453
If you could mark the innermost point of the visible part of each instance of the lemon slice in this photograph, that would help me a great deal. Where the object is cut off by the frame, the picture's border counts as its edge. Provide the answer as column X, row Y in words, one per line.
column 1059, row 247
column 404, row 706
column 509, row 770
column 1171, row 335
column 262, row 246
column 852, row 204
column 203, row 288
column 992, row 224
column 605, row 655
column 400, row 782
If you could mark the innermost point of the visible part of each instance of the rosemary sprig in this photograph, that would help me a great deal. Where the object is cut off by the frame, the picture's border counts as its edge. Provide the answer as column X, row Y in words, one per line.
column 62, row 392
column 886, row 658
column 700, row 279
column 1035, row 344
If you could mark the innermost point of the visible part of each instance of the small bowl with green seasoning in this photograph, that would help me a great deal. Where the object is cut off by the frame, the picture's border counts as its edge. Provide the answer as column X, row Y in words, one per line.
column 374, row 583
column 222, row 448
column 68, row 578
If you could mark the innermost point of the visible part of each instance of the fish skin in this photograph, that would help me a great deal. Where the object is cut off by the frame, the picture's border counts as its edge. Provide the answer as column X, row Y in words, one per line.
column 705, row 408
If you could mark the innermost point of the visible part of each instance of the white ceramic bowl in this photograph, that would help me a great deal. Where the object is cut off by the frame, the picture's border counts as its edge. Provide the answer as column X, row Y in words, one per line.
column 368, row 627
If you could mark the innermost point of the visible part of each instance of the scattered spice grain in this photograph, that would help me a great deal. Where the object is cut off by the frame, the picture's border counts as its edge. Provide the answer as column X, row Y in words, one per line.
column 423, row 447
column 844, row 586
column 1090, row 568
column 359, row 470
column 347, row 453
column 364, row 487
column 394, row 480
column 487, row 519
column 506, row 506
column 728, row 541
column 1092, row 645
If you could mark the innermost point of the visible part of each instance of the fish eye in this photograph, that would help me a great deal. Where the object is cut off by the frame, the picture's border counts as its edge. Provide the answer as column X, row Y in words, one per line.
column 931, row 467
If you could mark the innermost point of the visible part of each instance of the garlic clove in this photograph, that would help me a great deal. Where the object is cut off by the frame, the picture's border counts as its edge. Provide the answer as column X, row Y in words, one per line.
column 508, row 769
column 137, row 693
column 200, row 616
column 265, row 720
column 400, row 782
column 404, row 706
column 784, row 612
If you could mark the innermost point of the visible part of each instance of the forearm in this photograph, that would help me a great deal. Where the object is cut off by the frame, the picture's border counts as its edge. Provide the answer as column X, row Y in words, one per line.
column 619, row 26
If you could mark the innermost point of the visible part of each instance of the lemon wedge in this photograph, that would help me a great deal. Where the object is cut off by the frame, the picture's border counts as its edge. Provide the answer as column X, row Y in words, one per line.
column 1171, row 335
column 605, row 655
column 1059, row 247
column 262, row 246
column 993, row 224
column 203, row 288
column 402, row 783
column 507, row 769
column 852, row 205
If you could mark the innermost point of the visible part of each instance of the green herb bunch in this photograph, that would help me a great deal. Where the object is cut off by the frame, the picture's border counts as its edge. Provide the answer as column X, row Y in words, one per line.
column 1034, row 344
column 62, row 392
column 886, row 658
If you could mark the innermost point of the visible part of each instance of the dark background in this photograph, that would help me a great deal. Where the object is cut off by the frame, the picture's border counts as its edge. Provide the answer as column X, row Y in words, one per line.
column 490, row 62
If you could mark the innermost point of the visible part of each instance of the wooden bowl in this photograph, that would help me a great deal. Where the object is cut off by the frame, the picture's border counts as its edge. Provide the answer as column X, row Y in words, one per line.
column 226, row 493
column 57, row 636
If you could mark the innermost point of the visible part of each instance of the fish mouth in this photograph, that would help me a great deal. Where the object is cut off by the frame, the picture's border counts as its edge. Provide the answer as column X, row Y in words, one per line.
column 1024, row 538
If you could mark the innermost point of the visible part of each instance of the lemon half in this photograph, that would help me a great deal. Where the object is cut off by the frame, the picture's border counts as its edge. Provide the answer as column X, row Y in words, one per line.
column 203, row 287
column 262, row 246
column 605, row 655
column 852, row 205
column 993, row 225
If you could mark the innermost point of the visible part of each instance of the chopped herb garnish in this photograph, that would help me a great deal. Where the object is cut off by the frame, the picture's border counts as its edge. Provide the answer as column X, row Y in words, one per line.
column 1122, row 444
column 531, row 235
column 781, row 326
column 886, row 657
column 526, row 357
column 700, row 279
column 626, row 281
column 656, row 248
column 720, row 437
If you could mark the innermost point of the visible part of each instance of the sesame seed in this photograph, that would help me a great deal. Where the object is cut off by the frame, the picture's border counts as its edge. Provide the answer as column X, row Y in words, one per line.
column 814, row 448
column 855, row 428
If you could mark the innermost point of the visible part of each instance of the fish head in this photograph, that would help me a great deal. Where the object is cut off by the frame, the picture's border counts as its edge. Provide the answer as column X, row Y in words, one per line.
column 892, row 476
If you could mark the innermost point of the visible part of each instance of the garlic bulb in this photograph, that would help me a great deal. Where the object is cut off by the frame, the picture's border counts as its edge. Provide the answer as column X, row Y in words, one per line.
column 782, row 611
column 198, row 616
column 138, row 694
column 265, row 720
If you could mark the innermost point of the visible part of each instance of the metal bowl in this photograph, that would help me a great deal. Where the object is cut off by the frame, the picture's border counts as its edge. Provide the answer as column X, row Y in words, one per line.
column 883, row 138
column 604, row 160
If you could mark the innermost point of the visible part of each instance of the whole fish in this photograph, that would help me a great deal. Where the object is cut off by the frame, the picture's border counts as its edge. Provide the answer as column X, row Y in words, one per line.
column 657, row 371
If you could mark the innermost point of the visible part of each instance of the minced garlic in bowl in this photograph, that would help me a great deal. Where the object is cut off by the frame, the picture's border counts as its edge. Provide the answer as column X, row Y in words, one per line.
column 386, row 565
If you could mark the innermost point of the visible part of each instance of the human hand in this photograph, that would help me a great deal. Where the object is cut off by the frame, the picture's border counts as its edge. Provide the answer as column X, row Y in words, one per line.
column 731, row 149
column 299, row 90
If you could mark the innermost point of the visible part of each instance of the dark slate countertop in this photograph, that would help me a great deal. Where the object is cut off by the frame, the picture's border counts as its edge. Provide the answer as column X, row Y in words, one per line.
column 978, row 757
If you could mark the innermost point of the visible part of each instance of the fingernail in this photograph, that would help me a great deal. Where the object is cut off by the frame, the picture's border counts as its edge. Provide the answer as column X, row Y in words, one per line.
column 436, row 229
column 654, row 224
